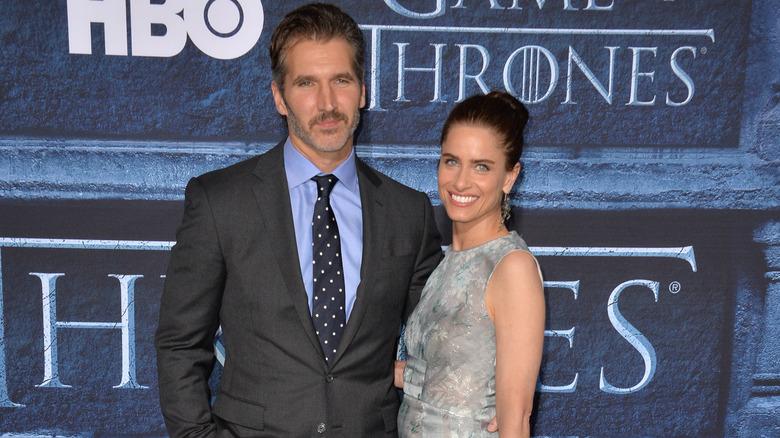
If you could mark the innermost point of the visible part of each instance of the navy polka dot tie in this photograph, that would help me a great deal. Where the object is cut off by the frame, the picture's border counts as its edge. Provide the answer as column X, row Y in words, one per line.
column 328, row 311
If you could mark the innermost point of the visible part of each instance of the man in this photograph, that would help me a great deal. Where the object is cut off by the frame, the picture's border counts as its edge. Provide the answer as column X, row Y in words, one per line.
column 249, row 254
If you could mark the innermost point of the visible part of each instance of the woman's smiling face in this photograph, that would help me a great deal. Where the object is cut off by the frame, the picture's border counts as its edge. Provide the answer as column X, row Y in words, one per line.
column 473, row 175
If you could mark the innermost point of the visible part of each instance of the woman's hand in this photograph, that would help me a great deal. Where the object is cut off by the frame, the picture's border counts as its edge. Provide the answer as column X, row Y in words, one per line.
column 398, row 373
column 493, row 425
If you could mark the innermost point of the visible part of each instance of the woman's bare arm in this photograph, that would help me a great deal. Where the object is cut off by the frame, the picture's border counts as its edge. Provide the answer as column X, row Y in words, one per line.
column 515, row 303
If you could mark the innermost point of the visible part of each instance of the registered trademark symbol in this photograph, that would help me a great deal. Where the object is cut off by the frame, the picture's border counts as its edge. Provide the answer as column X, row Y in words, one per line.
column 675, row 287
column 703, row 50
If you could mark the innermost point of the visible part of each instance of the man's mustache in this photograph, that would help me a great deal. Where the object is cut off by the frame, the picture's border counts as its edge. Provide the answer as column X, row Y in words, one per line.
column 328, row 117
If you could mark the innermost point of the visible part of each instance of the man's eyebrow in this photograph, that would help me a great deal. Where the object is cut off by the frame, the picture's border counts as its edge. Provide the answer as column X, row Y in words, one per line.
column 306, row 78
column 344, row 75
column 311, row 78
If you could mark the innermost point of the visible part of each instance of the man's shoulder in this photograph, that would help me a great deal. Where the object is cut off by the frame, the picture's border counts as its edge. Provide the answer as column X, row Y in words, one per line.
column 240, row 170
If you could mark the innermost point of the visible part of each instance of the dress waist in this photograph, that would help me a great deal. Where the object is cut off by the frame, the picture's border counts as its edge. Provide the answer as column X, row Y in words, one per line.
column 417, row 417
column 414, row 376
column 444, row 397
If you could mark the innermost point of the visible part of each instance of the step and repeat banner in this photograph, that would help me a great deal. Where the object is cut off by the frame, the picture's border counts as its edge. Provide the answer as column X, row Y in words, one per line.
column 649, row 193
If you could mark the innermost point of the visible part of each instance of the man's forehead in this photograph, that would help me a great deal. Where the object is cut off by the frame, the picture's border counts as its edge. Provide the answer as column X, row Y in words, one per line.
column 290, row 50
column 315, row 40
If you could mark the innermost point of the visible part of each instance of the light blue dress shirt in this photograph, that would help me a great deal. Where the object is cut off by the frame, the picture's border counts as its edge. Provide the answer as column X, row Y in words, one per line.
column 345, row 200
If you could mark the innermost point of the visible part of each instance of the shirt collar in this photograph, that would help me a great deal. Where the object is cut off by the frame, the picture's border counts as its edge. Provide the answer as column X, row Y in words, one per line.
column 299, row 169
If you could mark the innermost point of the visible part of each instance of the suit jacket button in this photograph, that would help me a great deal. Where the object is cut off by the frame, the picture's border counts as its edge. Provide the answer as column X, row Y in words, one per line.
column 321, row 428
column 329, row 378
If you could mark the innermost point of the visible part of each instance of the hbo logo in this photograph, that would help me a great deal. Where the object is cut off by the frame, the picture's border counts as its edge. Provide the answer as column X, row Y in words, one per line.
column 223, row 29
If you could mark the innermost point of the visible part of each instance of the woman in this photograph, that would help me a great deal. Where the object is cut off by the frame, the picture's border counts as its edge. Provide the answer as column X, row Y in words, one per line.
column 474, row 342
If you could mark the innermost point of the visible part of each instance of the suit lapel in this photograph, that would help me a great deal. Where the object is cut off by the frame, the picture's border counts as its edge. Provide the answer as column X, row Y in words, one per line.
column 373, row 230
column 271, row 193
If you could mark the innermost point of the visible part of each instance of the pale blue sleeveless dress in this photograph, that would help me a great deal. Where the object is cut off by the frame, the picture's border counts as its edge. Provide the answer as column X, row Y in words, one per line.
column 449, row 380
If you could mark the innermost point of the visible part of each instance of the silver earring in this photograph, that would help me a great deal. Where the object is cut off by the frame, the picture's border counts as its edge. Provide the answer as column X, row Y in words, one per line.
column 504, row 211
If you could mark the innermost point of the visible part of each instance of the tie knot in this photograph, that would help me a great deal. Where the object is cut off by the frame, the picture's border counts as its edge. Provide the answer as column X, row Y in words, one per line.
column 325, row 183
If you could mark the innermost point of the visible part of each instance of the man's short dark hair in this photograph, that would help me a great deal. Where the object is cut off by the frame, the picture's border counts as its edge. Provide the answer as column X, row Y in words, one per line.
column 316, row 22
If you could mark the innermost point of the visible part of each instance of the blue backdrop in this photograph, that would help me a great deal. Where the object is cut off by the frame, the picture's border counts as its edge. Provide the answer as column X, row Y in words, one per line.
column 650, row 190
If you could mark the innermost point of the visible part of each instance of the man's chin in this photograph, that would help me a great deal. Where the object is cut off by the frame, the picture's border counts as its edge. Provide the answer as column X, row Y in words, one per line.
column 333, row 143
column 331, row 148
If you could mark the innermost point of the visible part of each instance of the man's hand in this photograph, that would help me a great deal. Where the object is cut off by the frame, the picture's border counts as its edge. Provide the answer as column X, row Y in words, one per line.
column 493, row 425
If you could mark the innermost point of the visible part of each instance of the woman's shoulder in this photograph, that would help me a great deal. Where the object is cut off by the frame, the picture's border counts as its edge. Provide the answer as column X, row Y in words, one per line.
column 509, row 249
column 514, row 280
column 516, row 261
column 521, row 259
column 514, row 240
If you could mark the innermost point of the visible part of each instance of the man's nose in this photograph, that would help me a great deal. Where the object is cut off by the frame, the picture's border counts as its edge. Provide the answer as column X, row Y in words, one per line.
column 326, row 99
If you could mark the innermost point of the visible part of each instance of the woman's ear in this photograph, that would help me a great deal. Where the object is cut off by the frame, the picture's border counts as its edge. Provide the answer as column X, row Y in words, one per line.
column 511, row 177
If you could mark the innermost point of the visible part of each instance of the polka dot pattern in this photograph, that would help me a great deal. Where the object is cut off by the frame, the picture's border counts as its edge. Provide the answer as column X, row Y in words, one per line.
column 328, row 301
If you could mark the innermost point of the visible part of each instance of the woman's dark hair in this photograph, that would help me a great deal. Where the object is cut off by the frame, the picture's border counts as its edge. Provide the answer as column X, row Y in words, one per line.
column 316, row 22
column 497, row 111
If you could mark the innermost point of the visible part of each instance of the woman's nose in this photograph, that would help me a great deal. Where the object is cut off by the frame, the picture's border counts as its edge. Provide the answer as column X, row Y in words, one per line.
column 462, row 180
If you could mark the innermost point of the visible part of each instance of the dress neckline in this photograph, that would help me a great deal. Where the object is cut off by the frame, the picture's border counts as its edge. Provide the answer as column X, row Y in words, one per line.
column 463, row 251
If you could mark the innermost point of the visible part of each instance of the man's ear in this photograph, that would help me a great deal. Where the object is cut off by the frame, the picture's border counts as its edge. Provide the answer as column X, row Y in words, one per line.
column 362, row 96
column 278, row 99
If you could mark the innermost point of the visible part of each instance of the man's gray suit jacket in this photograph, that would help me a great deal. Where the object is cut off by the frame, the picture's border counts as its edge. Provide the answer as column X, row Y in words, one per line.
column 235, row 263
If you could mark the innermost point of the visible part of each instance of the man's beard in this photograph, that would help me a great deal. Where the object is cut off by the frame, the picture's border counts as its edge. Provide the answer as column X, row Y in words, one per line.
column 296, row 126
